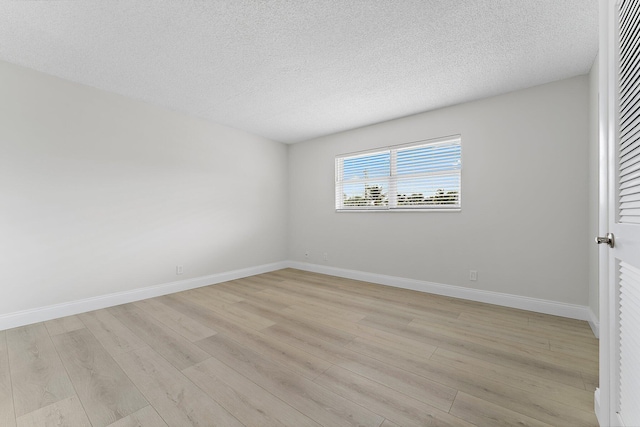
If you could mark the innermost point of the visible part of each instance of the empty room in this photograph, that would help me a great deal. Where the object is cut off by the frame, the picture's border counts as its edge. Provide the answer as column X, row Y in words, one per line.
column 319, row 213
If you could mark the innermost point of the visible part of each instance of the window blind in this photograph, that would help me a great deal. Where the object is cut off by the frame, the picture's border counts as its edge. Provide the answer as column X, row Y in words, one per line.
column 421, row 175
column 362, row 181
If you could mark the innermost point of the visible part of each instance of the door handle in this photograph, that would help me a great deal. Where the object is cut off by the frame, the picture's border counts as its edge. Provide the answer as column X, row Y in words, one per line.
column 609, row 239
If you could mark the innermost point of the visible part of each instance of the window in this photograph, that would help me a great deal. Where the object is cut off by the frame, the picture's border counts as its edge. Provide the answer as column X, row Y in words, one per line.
column 422, row 175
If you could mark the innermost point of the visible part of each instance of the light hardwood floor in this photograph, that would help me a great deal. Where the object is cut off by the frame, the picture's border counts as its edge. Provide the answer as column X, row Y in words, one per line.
column 291, row 348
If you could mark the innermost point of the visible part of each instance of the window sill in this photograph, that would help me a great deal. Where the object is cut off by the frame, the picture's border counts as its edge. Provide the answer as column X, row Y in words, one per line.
column 396, row 210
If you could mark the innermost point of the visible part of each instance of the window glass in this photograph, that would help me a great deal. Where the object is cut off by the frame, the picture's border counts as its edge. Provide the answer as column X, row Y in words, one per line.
column 423, row 175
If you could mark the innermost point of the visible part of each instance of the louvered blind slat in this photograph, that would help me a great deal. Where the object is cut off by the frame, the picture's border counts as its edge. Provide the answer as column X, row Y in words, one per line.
column 630, row 171
column 629, row 112
column 631, row 316
column 630, row 184
column 628, row 43
column 634, row 205
column 626, row 147
column 630, row 220
column 631, row 154
column 626, row 10
column 627, row 65
column 628, row 95
column 630, row 198
column 625, row 192
column 626, row 19
column 631, row 117
column 631, row 176
column 629, row 343
column 630, row 275
column 627, row 92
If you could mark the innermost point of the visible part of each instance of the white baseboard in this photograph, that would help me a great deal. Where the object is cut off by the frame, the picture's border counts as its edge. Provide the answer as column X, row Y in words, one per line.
column 596, row 405
column 555, row 308
column 594, row 322
column 41, row 314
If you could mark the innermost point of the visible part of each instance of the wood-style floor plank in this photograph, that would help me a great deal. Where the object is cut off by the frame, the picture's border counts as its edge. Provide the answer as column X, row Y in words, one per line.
column 529, row 402
column 7, row 413
column 145, row 417
column 435, row 394
column 357, row 329
column 219, row 295
column 172, row 346
column 247, row 401
column 314, row 401
column 104, row 389
column 395, row 406
column 541, row 354
column 230, row 311
column 290, row 357
column 258, row 282
column 37, row 375
column 352, row 302
column 64, row 324
column 501, row 324
column 571, row 396
column 484, row 350
column 236, row 288
column 386, row 300
column 489, row 332
column 573, row 348
column 297, row 301
column 311, row 326
column 486, row 414
column 65, row 412
column 181, row 323
column 112, row 334
column 303, row 363
column 178, row 401
column 372, row 299
column 591, row 380
column 293, row 348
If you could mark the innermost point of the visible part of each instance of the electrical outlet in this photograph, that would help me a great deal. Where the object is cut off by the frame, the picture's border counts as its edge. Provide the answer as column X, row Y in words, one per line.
column 325, row 256
column 306, row 254
column 473, row 275
column 179, row 269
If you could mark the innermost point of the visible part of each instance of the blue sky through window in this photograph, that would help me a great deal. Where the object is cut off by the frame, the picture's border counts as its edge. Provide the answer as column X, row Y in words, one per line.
column 369, row 166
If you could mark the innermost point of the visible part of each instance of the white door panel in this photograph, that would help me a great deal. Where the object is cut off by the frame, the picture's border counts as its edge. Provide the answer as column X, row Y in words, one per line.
column 620, row 295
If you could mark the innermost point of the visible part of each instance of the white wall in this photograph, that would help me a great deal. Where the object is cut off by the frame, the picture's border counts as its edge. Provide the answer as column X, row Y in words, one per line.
column 102, row 194
column 524, row 192
column 593, row 189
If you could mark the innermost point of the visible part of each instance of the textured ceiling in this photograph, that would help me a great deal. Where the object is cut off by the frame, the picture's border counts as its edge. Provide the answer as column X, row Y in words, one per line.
column 293, row 70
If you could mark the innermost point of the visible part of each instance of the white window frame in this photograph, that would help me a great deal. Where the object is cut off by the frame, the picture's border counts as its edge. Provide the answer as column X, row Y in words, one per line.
column 392, row 179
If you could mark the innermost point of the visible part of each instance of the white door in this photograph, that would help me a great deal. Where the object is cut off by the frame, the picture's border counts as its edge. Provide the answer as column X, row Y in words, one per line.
column 620, row 295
